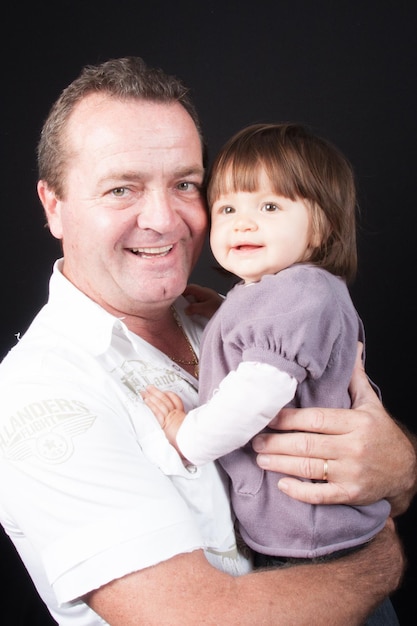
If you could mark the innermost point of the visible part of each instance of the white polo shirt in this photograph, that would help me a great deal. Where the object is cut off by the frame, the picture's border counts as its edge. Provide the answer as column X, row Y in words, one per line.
column 90, row 489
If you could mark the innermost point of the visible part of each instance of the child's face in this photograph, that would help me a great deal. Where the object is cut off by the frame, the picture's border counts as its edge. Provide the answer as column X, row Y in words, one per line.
column 260, row 232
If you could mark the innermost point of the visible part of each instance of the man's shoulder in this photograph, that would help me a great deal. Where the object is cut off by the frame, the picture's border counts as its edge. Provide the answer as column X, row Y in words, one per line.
column 53, row 346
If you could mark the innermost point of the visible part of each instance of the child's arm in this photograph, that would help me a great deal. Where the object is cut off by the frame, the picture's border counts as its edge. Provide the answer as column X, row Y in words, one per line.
column 203, row 300
column 245, row 402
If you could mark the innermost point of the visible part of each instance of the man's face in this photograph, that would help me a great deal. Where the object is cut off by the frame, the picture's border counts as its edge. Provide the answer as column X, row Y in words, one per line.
column 133, row 219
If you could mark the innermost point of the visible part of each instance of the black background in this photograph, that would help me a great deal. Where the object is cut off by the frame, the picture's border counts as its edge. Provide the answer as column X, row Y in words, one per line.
column 347, row 69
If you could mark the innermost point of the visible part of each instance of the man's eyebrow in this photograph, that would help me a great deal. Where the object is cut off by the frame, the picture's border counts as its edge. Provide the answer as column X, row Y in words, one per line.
column 183, row 172
column 132, row 175
column 117, row 175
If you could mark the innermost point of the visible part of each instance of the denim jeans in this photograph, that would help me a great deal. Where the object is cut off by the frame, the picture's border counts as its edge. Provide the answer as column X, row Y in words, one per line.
column 384, row 615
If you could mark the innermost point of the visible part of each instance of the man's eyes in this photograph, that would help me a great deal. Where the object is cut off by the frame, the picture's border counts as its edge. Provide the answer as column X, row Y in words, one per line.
column 188, row 186
column 119, row 192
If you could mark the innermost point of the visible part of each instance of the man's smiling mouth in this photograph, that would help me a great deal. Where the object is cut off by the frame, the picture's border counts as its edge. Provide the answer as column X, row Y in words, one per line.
column 149, row 253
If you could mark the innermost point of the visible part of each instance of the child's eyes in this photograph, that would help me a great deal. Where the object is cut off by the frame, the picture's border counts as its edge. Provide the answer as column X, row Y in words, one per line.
column 227, row 210
column 266, row 207
column 269, row 207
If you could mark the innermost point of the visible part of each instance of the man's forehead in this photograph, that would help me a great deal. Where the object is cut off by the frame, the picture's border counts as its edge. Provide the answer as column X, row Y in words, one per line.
column 98, row 107
column 100, row 120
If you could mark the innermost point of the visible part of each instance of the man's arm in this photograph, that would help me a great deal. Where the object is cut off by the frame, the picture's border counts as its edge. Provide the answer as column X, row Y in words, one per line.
column 369, row 456
column 186, row 590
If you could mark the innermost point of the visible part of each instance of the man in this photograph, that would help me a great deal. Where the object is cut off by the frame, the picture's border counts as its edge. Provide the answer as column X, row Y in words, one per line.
column 107, row 519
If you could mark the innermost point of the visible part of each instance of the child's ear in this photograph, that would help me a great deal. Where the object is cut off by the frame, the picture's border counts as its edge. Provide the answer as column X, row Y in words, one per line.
column 320, row 228
column 319, row 238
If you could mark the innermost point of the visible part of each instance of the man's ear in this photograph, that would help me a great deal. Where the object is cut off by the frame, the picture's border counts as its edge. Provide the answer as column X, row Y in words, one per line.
column 52, row 207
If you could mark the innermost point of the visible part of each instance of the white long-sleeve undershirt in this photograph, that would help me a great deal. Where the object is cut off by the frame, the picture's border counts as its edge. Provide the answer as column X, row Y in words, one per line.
column 245, row 402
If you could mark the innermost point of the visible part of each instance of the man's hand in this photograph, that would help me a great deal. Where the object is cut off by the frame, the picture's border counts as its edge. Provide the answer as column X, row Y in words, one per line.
column 203, row 300
column 367, row 455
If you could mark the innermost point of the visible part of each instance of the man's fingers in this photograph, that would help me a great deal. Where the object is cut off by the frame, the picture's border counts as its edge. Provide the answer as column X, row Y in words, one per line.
column 313, row 493
column 322, row 469
column 360, row 389
column 302, row 444
column 313, row 420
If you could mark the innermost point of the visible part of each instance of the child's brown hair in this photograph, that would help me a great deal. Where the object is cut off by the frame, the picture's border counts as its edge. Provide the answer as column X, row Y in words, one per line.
column 300, row 165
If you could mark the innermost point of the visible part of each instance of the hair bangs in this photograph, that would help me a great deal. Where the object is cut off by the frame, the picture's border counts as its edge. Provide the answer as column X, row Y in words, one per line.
column 239, row 169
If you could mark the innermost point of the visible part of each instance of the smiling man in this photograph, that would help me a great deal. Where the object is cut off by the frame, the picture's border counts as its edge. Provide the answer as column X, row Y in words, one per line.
column 111, row 525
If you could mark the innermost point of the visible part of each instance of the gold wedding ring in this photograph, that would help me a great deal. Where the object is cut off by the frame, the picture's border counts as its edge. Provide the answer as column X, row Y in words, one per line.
column 325, row 469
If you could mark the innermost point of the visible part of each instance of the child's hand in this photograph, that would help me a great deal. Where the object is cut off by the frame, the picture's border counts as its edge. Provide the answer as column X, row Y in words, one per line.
column 168, row 410
column 203, row 300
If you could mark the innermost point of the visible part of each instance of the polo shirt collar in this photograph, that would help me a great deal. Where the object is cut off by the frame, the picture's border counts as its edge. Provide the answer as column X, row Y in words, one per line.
column 81, row 319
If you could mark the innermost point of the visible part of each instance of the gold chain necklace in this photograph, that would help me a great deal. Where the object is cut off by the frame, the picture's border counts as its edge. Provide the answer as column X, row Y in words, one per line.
column 194, row 360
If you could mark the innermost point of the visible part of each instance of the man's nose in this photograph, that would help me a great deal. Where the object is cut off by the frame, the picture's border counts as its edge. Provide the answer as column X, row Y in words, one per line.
column 157, row 212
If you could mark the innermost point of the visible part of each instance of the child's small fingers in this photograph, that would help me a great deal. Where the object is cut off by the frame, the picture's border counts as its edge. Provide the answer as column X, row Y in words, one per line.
column 159, row 411
column 160, row 398
column 176, row 402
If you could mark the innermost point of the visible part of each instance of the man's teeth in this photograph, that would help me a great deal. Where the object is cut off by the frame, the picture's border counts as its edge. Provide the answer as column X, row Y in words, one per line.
column 152, row 251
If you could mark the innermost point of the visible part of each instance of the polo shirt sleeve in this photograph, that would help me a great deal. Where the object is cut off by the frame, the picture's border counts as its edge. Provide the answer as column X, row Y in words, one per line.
column 63, row 449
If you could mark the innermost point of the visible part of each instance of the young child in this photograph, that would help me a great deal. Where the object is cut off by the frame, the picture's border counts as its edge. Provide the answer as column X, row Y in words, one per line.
column 283, row 205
